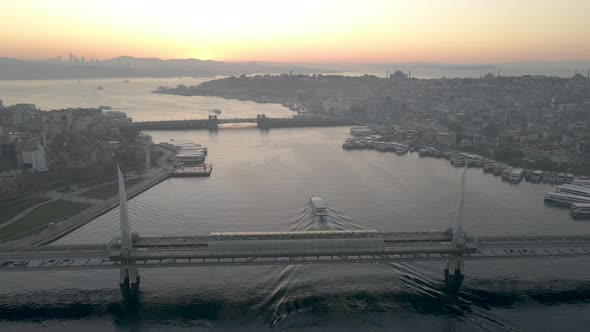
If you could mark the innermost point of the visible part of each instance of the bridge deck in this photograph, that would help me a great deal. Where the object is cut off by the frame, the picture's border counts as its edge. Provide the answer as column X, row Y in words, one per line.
column 158, row 252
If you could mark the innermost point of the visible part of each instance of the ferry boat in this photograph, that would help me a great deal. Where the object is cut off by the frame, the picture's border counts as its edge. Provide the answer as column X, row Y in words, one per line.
column 319, row 208
column 458, row 160
column 574, row 190
column 569, row 178
column 546, row 176
column 580, row 182
column 561, row 178
column 506, row 173
column 498, row 170
column 516, row 175
column 580, row 210
column 189, row 158
column 361, row 131
column 563, row 199
column 553, row 177
column 402, row 149
column 200, row 149
column 536, row 176
column 488, row 167
column 528, row 173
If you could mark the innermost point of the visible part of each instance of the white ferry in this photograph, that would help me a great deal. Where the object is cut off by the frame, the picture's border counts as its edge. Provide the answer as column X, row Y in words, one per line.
column 194, row 149
column 361, row 131
column 516, row 175
column 319, row 208
column 573, row 189
column 506, row 173
column 583, row 183
column 561, row 178
column 565, row 199
column 189, row 158
column 569, row 178
column 546, row 176
column 580, row 210
column 536, row 176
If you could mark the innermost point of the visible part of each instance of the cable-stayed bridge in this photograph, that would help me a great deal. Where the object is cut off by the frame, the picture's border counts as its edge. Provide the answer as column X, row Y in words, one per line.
column 131, row 251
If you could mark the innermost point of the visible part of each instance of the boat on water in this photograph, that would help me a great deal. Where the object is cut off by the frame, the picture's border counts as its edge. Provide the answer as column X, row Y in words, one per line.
column 498, row 169
column 546, row 176
column 216, row 111
column 553, row 177
column 581, row 182
column 402, row 149
column 528, row 173
column 536, row 176
column 580, row 210
column 187, row 153
column 488, row 167
column 573, row 189
column 361, row 131
column 563, row 199
column 100, row 88
column 506, row 173
column 319, row 207
column 189, row 158
column 560, row 178
column 426, row 152
column 569, row 178
column 516, row 175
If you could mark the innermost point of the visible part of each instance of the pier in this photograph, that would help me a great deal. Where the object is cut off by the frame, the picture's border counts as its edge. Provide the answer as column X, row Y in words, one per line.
column 202, row 170
column 261, row 121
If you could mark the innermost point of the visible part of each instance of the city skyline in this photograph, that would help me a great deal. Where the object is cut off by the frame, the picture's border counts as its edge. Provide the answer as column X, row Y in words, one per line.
column 308, row 32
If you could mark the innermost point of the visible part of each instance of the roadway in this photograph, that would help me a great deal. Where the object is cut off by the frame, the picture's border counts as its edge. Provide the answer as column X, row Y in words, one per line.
column 160, row 252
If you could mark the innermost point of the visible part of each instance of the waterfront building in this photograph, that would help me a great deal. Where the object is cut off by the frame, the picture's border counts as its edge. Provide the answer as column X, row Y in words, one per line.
column 534, row 153
column 448, row 138
column 8, row 184
column 35, row 159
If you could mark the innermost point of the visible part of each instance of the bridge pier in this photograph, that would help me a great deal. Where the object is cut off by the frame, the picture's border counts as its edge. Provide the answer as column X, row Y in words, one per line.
column 129, row 281
column 213, row 122
column 454, row 273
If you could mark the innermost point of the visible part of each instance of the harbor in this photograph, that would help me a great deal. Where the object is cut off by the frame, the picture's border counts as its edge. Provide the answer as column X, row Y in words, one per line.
column 188, row 159
column 192, row 171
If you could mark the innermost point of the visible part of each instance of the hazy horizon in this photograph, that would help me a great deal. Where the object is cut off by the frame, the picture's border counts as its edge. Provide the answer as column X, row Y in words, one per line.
column 373, row 31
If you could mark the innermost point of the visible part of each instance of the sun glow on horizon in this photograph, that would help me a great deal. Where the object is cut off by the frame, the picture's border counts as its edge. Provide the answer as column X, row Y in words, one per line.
column 459, row 31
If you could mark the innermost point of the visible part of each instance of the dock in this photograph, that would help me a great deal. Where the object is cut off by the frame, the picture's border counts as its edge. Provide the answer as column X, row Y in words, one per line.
column 193, row 171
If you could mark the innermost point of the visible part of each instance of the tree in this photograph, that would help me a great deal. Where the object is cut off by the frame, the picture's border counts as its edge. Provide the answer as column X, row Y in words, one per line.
column 491, row 131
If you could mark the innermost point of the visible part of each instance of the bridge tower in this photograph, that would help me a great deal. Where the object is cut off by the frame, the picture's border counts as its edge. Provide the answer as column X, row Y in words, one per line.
column 261, row 121
column 453, row 271
column 213, row 122
column 129, row 276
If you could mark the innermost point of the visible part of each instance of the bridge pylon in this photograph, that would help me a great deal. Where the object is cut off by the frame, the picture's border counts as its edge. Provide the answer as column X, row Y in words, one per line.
column 129, row 275
column 454, row 268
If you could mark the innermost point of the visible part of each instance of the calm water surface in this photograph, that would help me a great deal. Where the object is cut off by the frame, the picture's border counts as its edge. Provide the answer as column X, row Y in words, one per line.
column 133, row 97
column 262, row 181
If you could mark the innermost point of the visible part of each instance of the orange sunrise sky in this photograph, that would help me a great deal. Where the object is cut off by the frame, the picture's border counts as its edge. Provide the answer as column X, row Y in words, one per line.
column 451, row 31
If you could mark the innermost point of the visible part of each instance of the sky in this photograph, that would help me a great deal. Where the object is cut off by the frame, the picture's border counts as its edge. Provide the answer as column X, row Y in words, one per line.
column 300, row 31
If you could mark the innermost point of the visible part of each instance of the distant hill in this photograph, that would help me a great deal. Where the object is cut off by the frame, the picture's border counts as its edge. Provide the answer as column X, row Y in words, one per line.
column 126, row 66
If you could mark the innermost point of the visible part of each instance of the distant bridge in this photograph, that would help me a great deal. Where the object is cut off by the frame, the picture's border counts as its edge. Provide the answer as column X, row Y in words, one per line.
column 261, row 122
column 130, row 252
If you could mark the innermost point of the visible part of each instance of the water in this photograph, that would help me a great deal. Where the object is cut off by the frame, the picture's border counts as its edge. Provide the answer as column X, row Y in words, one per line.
column 133, row 97
column 262, row 181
